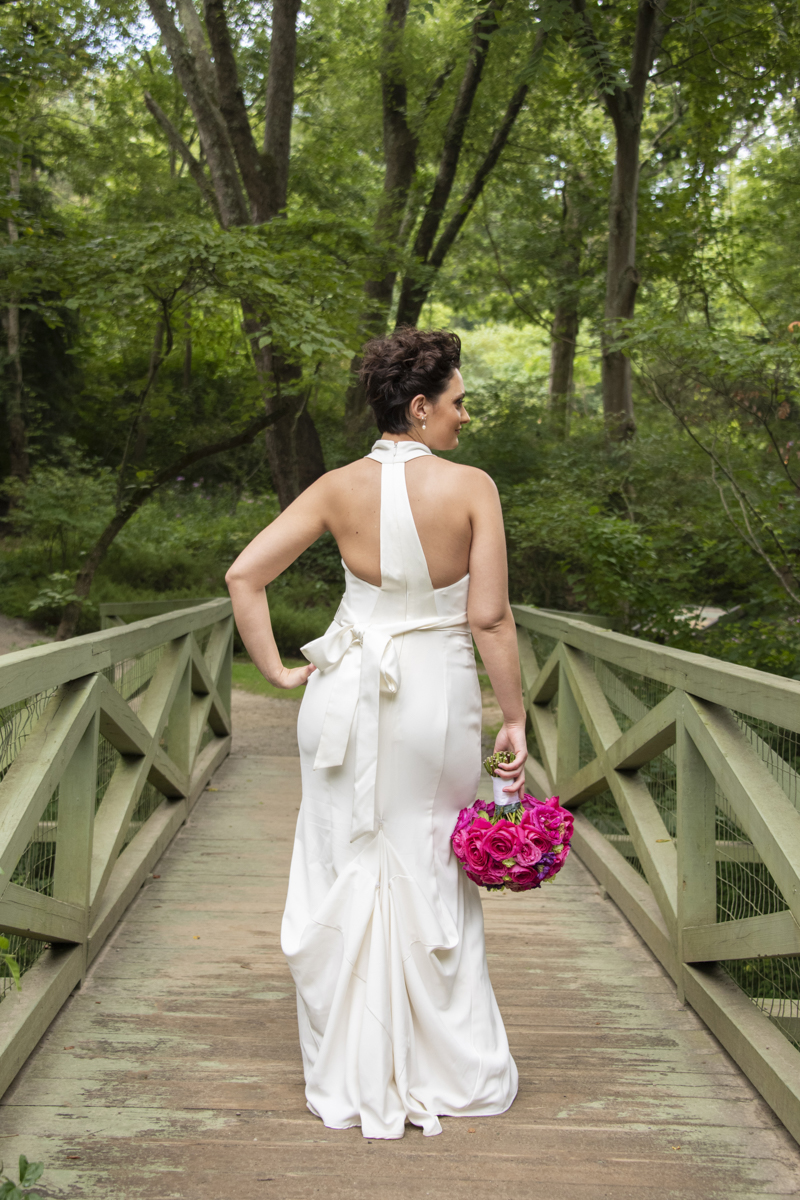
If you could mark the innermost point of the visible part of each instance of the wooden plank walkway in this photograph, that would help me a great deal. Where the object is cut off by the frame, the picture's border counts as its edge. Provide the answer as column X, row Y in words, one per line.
column 175, row 1071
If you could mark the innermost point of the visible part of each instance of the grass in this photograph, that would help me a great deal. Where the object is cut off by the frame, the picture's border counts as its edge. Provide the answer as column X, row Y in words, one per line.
column 247, row 676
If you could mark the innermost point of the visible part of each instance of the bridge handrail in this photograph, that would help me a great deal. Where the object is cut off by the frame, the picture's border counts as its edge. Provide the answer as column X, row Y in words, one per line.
column 106, row 743
column 688, row 770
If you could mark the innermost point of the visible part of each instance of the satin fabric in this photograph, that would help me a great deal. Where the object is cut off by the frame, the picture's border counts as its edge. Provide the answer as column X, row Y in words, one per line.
column 382, row 930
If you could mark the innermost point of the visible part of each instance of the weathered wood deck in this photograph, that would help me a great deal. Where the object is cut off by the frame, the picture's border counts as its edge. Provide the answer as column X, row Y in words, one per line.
column 175, row 1070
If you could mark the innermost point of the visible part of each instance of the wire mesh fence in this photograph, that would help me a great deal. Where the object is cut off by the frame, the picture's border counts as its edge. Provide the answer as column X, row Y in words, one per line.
column 744, row 886
column 131, row 678
column 35, row 867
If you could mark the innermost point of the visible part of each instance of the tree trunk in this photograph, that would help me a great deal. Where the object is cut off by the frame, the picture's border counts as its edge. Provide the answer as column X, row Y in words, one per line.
column 280, row 102
column 625, row 106
column 157, row 357
column 566, row 318
column 294, row 451
column 622, row 282
column 15, row 411
column 562, row 360
column 400, row 161
column 249, row 187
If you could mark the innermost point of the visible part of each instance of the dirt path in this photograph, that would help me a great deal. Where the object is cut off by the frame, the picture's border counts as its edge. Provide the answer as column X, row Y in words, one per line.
column 16, row 634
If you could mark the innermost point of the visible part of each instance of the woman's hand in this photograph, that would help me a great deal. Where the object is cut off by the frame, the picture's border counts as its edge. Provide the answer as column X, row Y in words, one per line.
column 292, row 677
column 512, row 738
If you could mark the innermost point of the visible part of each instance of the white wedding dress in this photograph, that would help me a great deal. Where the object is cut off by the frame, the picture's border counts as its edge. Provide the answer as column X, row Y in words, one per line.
column 382, row 929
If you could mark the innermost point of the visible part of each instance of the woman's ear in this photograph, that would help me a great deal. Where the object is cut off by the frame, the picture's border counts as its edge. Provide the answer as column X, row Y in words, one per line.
column 418, row 408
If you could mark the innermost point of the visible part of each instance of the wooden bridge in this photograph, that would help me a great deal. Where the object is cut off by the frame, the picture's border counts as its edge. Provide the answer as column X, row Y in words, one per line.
column 650, row 992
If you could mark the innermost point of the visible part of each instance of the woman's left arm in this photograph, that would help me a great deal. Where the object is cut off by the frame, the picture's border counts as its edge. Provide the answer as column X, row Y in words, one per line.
column 270, row 553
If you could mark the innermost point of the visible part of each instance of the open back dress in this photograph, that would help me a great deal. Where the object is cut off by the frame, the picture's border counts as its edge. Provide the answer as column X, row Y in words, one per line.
column 383, row 931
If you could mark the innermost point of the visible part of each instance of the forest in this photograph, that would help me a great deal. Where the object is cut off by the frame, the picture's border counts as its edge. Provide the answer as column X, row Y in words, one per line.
column 208, row 207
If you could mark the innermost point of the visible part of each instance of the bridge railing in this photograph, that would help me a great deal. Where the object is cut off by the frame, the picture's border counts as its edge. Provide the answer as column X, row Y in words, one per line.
column 106, row 742
column 684, row 775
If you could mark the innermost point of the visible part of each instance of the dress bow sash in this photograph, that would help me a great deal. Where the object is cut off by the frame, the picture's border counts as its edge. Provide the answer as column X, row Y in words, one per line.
column 365, row 657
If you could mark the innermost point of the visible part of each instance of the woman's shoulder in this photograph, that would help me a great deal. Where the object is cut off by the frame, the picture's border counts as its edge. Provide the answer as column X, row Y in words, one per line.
column 461, row 476
column 348, row 475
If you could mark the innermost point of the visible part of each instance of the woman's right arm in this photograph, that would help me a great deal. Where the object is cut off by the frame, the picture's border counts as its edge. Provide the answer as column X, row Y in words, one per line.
column 492, row 622
column 270, row 553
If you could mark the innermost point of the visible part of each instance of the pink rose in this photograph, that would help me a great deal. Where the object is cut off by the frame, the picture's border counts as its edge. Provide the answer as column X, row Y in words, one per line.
column 494, row 875
column 553, row 822
column 530, row 846
column 459, row 843
column 501, row 841
column 476, row 856
column 522, row 878
column 464, row 819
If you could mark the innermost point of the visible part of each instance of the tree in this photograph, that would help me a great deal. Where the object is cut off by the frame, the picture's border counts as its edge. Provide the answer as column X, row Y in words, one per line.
column 624, row 102
column 400, row 211
column 723, row 88
column 247, row 186
column 150, row 278
column 38, row 43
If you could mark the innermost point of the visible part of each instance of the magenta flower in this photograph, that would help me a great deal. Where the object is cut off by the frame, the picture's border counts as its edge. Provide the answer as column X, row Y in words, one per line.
column 530, row 846
column 459, row 843
column 476, row 857
column 520, row 849
column 501, row 840
column 523, row 878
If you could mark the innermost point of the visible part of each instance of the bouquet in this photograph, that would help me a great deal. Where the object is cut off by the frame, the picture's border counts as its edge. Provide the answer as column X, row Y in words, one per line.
column 518, row 845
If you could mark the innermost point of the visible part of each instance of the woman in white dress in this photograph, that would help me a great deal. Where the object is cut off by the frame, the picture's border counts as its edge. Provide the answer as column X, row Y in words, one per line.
column 383, row 931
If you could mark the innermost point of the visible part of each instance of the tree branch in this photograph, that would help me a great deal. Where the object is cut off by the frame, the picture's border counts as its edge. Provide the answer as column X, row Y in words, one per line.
column 213, row 131
column 136, row 499
column 234, row 110
column 197, row 44
column 534, row 315
column 485, row 168
column 179, row 145
column 742, row 498
column 646, row 40
column 412, row 294
column 434, row 93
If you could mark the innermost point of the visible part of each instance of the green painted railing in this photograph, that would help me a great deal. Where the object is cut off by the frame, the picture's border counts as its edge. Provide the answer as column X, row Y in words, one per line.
column 106, row 742
column 684, row 772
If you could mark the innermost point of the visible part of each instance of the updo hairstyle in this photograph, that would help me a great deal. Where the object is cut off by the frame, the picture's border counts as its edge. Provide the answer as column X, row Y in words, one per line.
column 408, row 363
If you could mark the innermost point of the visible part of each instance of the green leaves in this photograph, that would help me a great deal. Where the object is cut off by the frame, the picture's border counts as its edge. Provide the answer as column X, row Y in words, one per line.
column 295, row 272
column 29, row 1173
column 9, row 961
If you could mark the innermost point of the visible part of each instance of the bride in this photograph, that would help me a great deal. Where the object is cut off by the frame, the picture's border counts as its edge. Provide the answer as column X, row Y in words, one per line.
column 383, row 931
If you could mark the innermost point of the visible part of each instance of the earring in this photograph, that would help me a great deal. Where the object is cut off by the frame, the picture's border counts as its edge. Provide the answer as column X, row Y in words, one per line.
column 424, row 426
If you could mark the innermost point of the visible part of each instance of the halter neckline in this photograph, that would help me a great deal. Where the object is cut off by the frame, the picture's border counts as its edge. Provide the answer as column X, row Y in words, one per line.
column 385, row 451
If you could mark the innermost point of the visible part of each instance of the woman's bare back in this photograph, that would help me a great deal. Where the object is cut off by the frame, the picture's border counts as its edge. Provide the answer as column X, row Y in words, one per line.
column 440, row 494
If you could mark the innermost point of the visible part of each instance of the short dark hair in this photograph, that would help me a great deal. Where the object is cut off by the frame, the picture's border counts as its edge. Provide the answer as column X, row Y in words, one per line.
column 408, row 363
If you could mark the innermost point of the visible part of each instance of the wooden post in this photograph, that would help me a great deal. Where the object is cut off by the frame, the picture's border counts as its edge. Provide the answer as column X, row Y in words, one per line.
column 226, row 672
column 77, row 792
column 568, row 754
column 179, row 738
column 696, row 838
